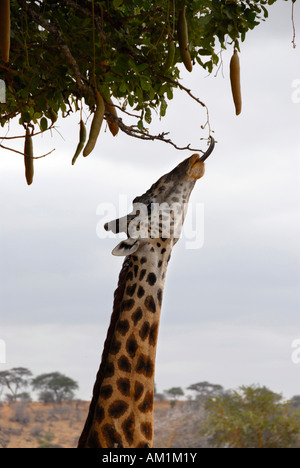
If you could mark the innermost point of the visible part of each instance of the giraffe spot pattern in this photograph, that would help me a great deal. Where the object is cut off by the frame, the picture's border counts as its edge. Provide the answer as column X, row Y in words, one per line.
column 99, row 413
column 146, row 429
column 124, row 364
column 159, row 296
column 143, row 260
column 151, row 279
column 144, row 366
column 142, row 274
column 93, row 440
column 117, row 409
column 150, row 304
column 143, row 445
column 147, row 404
column 129, row 276
column 124, row 386
column 130, row 290
column 109, row 370
column 128, row 428
column 111, row 436
column 141, row 292
column 127, row 304
column 106, row 391
column 138, row 390
column 137, row 315
column 144, row 331
column 115, row 346
column 131, row 346
column 153, row 334
column 122, row 327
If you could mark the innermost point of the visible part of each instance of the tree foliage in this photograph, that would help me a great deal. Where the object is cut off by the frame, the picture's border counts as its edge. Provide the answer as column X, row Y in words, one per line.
column 63, row 52
column 253, row 417
column 204, row 390
column 15, row 379
column 57, row 386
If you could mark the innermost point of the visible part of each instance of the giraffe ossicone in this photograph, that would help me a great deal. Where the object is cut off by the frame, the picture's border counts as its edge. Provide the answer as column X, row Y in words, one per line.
column 121, row 410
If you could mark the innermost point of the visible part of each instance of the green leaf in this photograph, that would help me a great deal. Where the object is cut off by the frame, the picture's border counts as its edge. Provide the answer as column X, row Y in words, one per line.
column 43, row 124
column 117, row 3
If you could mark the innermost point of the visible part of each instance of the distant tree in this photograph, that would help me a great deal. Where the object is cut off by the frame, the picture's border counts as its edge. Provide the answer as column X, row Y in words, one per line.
column 253, row 417
column 174, row 392
column 55, row 384
column 295, row 402
column 15, row 379
column 23, row 396
column 206, row 390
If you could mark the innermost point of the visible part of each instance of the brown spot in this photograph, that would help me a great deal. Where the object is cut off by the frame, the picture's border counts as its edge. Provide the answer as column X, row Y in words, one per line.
column 151, row 279
column 147, row 403
column 130, row 290
column 124, row 386
column 128, row 428
column 143, row 445
column 93, row 440
column 144, row 366
column 142, row 274
column 115, row 346
column 122, row 327
column 124, row 364
column 99, row 413
column 141, row 292
column 136, row 269
column 109, row 370
column 159, row 263
column 138, row 390
column 117, row 409
column 143, row 260
column 150, row 304
column 137, row 315
column 131, row 346
column 146, row 429
column 159, row 296
column 129, row 276
column 111, row 436
column 163, row 250
column 127, row 305
column 144, row 331
column 106, row 392
column 153, row 335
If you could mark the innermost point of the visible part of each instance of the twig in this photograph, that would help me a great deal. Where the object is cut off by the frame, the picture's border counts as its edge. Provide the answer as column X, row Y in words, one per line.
column 294, row 28
column 19, row 152
column 135, row 132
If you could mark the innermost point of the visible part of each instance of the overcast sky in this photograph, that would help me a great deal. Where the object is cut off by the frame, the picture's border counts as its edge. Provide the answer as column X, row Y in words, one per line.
column 231, row 308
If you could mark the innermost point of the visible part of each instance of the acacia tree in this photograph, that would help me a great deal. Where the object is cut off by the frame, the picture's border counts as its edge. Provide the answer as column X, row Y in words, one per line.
column 119, row 57
column 57, row 386
column 15, row 379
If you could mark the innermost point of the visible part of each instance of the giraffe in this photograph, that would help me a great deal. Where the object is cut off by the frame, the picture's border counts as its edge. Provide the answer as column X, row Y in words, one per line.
column 121, row 410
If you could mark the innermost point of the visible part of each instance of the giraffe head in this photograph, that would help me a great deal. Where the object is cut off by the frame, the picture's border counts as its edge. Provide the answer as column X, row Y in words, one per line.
column 159, row 213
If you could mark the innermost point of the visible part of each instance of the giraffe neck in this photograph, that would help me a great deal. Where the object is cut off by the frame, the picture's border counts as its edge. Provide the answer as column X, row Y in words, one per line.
column 121, row 411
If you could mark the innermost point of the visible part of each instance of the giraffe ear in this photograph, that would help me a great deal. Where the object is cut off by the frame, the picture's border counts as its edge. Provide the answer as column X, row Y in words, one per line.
column 126, row 247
